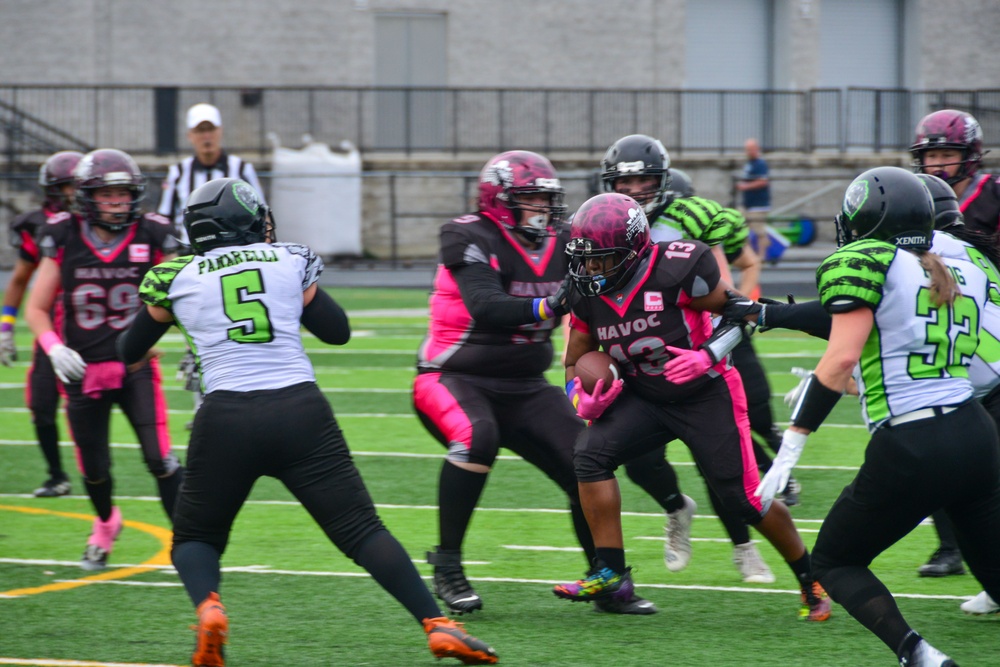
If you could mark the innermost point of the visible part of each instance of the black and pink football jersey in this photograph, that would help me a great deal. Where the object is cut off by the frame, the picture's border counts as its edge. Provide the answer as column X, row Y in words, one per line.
column 100, row 283
column 636, row 323
column 980, row 204
column 23, row 230
column 455, row 341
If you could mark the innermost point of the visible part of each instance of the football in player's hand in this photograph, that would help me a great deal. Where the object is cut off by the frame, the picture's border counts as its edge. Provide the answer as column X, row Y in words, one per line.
column 594, row 366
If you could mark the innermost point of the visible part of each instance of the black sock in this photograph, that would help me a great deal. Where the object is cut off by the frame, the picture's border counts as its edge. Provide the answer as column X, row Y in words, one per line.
column 197, row 564
column 100, row 496
column 169, row 487
column 458, row 495
column 803, row 571
column 612, row 558
column 384, row 558
column 48, row 440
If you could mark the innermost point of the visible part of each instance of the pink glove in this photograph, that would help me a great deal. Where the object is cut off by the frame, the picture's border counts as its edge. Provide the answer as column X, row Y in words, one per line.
column 592, row 406
column 686, row 364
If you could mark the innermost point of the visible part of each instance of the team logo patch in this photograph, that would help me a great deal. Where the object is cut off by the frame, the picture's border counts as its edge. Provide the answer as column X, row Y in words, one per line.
column 855, row 198
column 246, row 196
column 652, row 301
column 138, row 252
column 636, row 223
column 499, row 173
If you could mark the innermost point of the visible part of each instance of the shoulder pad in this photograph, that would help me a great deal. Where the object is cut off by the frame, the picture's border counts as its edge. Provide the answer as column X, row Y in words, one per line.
column 56, row 218
column 156, row 217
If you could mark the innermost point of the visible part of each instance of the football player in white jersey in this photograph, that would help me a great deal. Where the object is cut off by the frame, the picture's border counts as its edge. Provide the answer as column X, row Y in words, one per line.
column 906, row 322
column 240, row 301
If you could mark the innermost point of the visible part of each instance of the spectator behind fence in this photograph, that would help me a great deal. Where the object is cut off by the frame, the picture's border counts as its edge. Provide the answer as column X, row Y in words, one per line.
column 756, row 189
column 210, row 161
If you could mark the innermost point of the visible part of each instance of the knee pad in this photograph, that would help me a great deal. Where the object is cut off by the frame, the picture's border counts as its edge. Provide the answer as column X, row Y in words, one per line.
column 591, row 462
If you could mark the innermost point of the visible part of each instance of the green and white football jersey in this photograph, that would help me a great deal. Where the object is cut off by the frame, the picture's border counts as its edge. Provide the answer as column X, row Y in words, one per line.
column 984, row 372
column 917, row 354
column 240, row 309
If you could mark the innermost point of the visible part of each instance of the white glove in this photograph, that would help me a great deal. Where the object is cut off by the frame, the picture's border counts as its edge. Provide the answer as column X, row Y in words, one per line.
column 8, row 351
column 792, row 397
column 776, row 479
column 67, row 363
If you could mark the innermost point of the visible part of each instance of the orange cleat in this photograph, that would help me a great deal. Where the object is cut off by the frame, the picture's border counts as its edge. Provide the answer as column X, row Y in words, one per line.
column 815, row 604
column 213, row 633
column 448, row 639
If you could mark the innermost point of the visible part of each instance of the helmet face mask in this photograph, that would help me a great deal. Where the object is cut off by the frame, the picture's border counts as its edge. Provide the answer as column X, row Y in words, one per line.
column 608, row 239
column 888, row 204
column 507, row 184
column 639, row 155
column 952, row 130
column 104, row 168
column 226, row 212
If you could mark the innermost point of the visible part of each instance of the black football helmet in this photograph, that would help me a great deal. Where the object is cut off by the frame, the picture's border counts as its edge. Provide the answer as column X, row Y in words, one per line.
column 57, row 171
column 639, row 155
column 107, row 167
column 225, row 212
column 946, row 210
column 680, row 184
column 890, row 204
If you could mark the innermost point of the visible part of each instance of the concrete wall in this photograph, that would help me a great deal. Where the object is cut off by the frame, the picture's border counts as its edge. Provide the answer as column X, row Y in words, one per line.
column 586, row 43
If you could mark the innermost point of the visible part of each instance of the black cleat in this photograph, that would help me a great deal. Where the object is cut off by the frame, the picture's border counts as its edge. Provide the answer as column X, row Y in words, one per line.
column 943, row 563
column 450, row 583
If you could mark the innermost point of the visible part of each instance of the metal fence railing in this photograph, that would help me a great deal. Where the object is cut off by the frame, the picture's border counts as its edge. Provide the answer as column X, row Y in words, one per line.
column 146, row 121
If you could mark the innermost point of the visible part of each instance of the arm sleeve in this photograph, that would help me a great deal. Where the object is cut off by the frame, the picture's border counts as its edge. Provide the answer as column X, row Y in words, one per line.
column 486, row 300
column 326, row 320
column 810, row 317
column 133, row 343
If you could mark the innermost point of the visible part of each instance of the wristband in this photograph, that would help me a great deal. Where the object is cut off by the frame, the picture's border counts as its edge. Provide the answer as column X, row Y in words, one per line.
column 571, row 393
column 725, row 338
column 541, row 309
column 815, row 403
column 7, row 318
column 48, row 340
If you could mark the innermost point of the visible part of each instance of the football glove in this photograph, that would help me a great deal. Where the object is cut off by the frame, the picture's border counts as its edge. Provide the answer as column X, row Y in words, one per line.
column 592, row 406
column 68, row 364
column 8, row 351
column 776, row 479
column 792, row 397
column 686, row 365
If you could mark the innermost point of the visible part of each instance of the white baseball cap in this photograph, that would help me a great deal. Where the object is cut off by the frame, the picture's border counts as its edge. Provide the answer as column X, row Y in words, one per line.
column 200, row 113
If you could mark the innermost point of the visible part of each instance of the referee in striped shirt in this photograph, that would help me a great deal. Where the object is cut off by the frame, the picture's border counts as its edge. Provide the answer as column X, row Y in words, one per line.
column 210, row 161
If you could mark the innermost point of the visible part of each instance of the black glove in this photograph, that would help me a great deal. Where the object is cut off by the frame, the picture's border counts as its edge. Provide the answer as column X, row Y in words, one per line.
column 558, row 303
column 738, row 308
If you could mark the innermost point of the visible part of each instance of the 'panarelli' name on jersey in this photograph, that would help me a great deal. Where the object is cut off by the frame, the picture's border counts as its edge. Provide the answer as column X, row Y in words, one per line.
column 100, row 283
column 455, row 341
column 240, row 309
column 636, row 324
column 917, row 355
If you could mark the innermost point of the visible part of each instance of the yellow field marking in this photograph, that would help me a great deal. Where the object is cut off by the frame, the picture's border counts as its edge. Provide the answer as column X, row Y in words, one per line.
column 162, row 557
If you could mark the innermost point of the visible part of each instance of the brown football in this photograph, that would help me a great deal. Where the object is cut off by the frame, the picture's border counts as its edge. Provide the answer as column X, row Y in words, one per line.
column 594, row 366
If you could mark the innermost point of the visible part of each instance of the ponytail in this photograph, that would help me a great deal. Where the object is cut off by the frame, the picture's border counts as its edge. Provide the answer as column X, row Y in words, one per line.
column 944, row 289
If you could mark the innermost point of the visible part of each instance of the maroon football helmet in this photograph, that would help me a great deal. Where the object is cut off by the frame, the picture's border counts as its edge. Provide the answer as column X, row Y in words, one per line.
column 953, row 129
column 103, row 168
column 55, row 172
column 507, row 177
column 608, row 225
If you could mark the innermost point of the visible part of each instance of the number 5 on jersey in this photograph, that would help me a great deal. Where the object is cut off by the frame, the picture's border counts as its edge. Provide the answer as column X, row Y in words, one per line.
column 249, row 314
